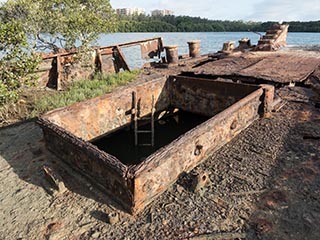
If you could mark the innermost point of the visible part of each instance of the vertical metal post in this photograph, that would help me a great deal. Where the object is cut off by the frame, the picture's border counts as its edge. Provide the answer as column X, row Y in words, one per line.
column 135, row 117
column 59, row 72
column 152, row 121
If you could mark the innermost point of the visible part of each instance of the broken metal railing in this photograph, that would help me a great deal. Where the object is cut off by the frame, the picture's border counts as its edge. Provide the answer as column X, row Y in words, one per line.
column 106, row 59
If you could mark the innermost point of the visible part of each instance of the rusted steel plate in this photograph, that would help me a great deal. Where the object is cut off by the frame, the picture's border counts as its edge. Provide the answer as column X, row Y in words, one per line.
column 282, row 68
column 119, row 59
column 206, row 97
column 151, row 49
column 227, row 66
column 274, row 66
column 103, row 114
column 101, row 168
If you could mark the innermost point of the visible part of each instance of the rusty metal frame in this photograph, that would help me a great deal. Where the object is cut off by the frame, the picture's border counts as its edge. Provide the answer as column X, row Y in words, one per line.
column 99, row 63
column 134, row 187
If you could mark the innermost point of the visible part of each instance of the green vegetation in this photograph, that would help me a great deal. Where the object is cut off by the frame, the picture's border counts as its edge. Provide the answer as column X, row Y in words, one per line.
column 142, row 23
column 52, row 24
column 83, row 90
column 16, row 64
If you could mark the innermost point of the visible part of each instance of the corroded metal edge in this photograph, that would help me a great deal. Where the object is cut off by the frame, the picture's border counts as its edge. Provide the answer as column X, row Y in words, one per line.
column 181, row 154
column 112, row 161
column 114, row 94
column 102, row 169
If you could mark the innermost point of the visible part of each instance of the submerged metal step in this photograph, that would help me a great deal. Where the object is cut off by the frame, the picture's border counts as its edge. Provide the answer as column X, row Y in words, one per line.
column 144, row 131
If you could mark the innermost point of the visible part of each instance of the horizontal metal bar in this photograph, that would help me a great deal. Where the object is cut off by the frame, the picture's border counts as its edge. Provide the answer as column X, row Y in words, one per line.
column 144, row 131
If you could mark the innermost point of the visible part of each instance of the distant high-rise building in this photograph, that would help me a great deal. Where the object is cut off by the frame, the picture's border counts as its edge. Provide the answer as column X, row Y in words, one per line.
column 161, row 12
column 130, row 11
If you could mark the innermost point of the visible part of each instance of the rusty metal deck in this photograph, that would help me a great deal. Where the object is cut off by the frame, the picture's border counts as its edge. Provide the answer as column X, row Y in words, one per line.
column 279, row 67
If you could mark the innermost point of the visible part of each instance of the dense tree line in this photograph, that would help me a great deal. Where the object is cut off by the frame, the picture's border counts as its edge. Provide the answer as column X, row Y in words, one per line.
column 142, row 23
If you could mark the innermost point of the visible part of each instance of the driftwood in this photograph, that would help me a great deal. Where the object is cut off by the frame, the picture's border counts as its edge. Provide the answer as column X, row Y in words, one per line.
column 55, row 179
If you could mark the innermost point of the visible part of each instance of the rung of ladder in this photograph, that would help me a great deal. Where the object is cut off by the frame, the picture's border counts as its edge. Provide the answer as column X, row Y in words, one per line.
column 145, row 145
column 137, row 118
column 145, row 118
column 144, row 131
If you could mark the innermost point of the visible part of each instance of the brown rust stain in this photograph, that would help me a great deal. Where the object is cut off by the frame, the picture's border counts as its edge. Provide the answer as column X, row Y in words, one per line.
column 227, row 66
column 274, row 199
column 307, row 171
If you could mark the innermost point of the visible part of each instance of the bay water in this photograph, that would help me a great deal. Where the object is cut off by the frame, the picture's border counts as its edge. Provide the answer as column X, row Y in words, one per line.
column 210, row 41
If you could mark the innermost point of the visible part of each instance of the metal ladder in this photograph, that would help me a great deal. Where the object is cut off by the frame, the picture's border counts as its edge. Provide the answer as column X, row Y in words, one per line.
column 137, row 118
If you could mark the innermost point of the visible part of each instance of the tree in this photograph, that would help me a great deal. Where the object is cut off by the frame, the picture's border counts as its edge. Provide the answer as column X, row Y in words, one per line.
column 52, row 24
column 16, row 62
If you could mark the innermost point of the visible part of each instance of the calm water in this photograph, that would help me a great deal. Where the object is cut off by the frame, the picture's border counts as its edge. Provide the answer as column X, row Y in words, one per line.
column 210, row 42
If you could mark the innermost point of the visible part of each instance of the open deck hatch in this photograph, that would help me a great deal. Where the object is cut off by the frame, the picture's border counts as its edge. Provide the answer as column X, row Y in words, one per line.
column 193, row 117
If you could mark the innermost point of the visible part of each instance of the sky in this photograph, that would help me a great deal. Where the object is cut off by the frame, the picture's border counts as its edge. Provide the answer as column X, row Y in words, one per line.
column 246, row 10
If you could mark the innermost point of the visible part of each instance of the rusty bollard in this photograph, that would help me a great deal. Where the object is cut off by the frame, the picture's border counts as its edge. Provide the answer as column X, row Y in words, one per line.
column 244, row 43
column 194, row 48
column 228, row 46
column 172, row 54
column 268, row 98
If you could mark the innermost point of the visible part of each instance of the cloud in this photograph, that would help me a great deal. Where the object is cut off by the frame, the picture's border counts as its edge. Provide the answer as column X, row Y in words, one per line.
column 286, row 10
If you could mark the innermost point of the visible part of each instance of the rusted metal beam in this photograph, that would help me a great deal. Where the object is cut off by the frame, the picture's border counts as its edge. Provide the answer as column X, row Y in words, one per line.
column 104, row 49
column 134, row 43
column 119, row 59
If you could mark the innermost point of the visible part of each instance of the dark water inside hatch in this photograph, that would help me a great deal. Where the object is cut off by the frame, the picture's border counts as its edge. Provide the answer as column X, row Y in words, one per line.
column 121, row 143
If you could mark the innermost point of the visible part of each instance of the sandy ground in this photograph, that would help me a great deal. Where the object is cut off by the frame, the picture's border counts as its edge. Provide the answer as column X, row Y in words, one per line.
column 264, row 184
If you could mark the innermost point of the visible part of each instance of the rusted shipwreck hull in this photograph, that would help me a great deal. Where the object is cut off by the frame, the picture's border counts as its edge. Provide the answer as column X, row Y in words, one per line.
column 70, row 132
